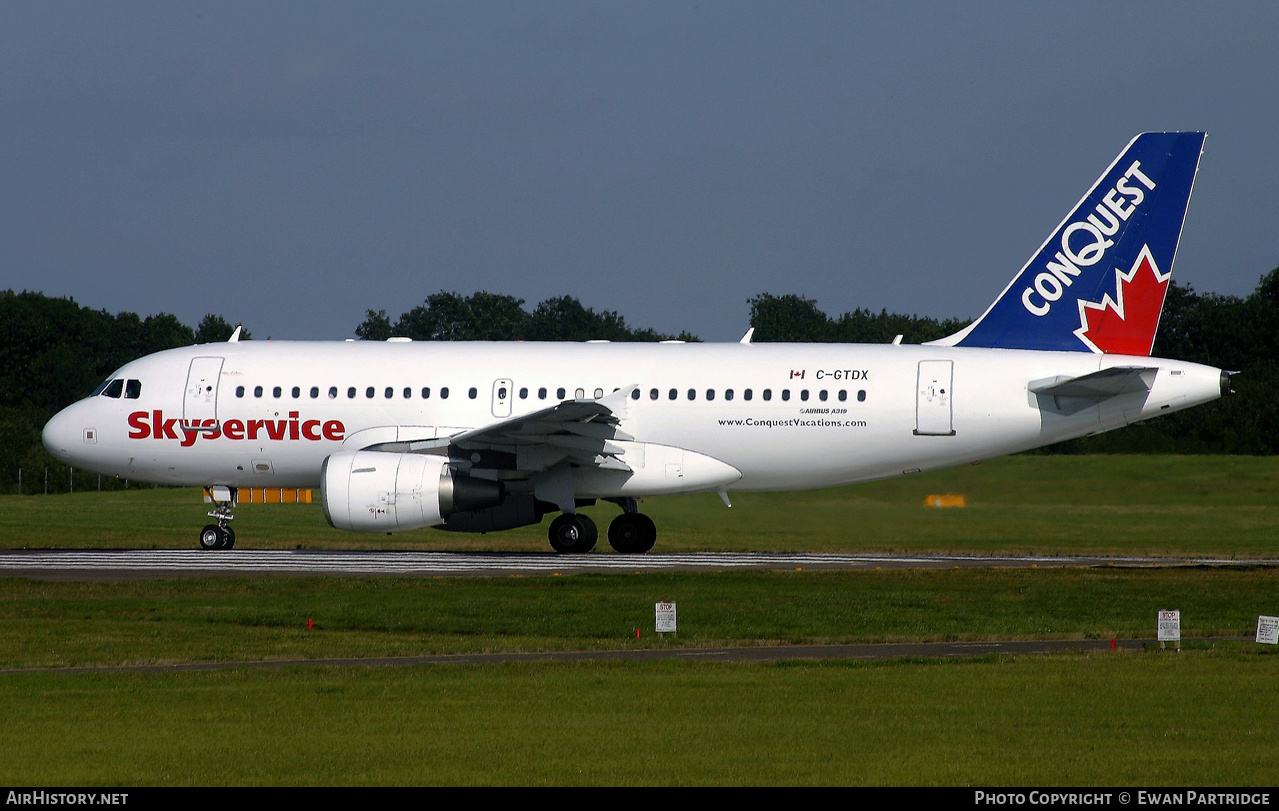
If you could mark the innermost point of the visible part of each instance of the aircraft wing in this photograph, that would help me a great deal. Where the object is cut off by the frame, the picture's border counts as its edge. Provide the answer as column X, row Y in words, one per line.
column 582, row 432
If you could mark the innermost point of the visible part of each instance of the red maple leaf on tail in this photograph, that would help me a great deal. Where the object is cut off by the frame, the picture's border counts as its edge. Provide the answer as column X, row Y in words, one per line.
column 1125, row 324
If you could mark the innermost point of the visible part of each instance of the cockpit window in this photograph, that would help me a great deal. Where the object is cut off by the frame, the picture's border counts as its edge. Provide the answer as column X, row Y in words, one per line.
column 132, row 389
column 114, row 389
column 101, row 387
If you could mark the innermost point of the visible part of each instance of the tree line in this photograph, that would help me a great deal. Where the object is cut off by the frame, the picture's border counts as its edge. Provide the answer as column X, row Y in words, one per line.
column 53, row 351
column 485, row 316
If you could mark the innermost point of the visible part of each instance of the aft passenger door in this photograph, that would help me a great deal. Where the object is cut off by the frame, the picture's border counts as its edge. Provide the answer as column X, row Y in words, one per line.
column 933, row 401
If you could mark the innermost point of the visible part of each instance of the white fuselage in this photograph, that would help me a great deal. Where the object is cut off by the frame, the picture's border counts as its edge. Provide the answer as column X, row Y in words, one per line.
column 786, row 416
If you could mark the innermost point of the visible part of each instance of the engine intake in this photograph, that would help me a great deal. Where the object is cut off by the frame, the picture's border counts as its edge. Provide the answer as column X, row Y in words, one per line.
column 372, row 491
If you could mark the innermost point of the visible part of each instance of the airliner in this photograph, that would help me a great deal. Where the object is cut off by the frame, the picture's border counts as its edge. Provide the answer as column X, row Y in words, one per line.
column 482, row 437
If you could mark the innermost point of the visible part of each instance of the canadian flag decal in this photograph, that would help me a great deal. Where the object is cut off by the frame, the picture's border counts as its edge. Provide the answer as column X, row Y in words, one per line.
column 1125, row 324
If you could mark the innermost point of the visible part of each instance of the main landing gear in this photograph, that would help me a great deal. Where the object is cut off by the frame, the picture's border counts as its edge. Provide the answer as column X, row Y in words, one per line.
column 573, row 534
column 631, row 533
column 219, row 535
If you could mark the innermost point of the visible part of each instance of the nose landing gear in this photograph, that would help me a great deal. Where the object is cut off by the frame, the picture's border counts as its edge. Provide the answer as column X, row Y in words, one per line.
column 216, row 537
column 219, row 535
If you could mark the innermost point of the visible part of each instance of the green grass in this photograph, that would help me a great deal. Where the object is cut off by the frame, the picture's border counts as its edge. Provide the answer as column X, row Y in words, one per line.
column 54, row 624
column 1133, row 505
column 1199, row 718
column 1196, row 718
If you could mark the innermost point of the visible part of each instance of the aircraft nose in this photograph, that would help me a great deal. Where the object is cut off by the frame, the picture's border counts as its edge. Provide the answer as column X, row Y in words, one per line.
column 60, row 435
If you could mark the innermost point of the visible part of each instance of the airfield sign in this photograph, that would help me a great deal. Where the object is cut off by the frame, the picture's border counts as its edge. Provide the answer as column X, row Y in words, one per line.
column 1170, row 628
column 1268, row 630
column 666, row 618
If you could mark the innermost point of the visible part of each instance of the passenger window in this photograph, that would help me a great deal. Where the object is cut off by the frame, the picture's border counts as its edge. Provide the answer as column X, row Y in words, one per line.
column 635, row 395
column 276, row 392
column 710, row 394
column 523, row 392
column 861, row 396
column 673, row 394
column 803, row 395
column 368, row 393
column 748, row 394
column 599, row 393
column 692, row 394
column 728, row 394
column 821, row 395
column 768, row 394
column 297, row 392
column 472, row 393
column 114, row 389
column 444, row 392
column 426, row 392
column 843, row 395
column 501, row 392
column 785, row 394
column 652, row 394
column 315, row 392
column 132, row 389
column 239, row 391
column 408, row 393
column 350, row 393
column 388, row 393
column 579, row 394
column 541, row 393
column 559, row 393
column 257, row 391
column 333, row 392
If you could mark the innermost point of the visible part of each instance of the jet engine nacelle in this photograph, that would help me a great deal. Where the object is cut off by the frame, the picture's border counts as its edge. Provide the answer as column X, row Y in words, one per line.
column 372, row 491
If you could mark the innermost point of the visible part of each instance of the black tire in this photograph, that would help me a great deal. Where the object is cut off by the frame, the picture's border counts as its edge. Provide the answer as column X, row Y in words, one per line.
column 573, row 534
column 632, row 533
column 211, row 537
column 230, row 538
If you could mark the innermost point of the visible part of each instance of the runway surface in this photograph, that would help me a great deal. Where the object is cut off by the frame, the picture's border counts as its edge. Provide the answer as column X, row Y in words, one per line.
column 155, row 564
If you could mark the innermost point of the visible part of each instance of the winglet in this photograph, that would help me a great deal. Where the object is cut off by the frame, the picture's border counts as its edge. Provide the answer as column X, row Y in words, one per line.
column 746, row 339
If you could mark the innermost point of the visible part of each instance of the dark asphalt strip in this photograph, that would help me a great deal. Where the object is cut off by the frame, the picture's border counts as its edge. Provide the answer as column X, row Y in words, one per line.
column 778, row 653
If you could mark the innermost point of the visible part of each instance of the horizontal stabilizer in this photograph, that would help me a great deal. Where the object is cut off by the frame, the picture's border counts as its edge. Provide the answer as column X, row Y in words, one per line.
column 1099, row 386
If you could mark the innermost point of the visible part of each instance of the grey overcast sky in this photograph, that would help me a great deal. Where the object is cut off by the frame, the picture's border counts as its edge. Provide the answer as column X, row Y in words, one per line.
column 292, row 165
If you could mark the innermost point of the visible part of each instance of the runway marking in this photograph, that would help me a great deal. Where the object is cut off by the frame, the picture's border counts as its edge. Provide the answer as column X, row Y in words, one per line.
column 192, row 562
